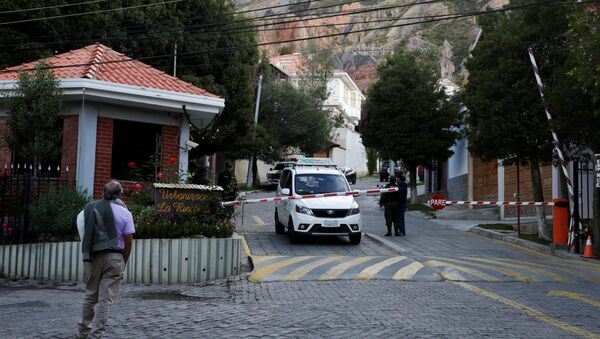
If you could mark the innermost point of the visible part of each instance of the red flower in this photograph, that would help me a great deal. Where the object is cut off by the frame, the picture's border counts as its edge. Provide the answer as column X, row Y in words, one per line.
column 131, row 164
column 9, row 230
column 138, row 186
column 5, row 225
column 172, row 160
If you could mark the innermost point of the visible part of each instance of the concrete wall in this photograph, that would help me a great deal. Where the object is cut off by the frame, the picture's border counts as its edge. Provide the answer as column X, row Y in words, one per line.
column 458, row 187
column 152, row 261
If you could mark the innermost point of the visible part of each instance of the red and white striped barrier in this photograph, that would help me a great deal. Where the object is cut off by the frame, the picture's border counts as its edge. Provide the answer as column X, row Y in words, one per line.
column 311, row 196
column 510, row 203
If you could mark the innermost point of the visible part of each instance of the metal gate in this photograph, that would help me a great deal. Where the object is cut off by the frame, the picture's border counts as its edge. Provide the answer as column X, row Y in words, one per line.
column 20, row 185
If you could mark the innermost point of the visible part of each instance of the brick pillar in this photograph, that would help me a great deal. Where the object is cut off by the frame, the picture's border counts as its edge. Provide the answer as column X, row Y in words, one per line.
column 104, row 143
column 5, row 152
column 170, row 139
column 69, row 146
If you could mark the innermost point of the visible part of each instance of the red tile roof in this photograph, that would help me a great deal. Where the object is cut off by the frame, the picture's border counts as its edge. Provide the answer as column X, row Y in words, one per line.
column 94, row 62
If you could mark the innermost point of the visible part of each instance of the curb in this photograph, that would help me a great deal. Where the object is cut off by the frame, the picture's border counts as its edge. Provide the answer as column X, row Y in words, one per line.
column 550, row 250
column 396, row 248
column 246, row 252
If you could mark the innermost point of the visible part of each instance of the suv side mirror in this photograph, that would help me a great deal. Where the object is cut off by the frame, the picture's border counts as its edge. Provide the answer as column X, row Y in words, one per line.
column 285, row 191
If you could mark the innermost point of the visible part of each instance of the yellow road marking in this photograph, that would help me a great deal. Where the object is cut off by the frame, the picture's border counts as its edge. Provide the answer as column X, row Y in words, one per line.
column 558, row 260
column 245, row 246
column 514, row 274
column 575, row 263
column 575, row 296
column 267, row 270
column 304, row 269
column 408, row 271
column 258, row 220
column 337, row 270
column 550, row 275
column 477, row 273
column 562, row 269
column 530, row 311
column 372, row 270
column 260, row 259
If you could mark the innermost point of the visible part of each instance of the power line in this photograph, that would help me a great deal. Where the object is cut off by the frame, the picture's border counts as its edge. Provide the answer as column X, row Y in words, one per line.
column 325, row 16
column 206, row 25
column 247, row 29
column 21, row 10
column 86, row 13
column 278, row 6
column 227, row 49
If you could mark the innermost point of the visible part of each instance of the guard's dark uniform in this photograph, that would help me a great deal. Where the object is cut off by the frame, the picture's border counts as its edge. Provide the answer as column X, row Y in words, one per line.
column 391, row 203
column 229, row 183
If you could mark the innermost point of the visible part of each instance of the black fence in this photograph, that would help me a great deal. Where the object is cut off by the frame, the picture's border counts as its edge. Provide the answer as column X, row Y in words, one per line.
column 20, row 185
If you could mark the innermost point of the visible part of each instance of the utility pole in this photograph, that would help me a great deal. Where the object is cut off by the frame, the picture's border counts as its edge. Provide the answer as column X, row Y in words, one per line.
column 175, row 62
column 250, row 176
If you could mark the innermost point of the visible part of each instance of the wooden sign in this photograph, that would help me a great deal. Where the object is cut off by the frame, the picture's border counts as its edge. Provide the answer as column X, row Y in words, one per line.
column 184, row 199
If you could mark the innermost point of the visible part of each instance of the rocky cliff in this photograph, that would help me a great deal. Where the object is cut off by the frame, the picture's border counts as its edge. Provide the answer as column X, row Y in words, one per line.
column 358, row 53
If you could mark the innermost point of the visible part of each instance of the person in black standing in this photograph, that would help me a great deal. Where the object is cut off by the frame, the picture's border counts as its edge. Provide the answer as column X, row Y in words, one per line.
column 391, row 204
column 199, row 177
column 403, row 192
column 228, row 181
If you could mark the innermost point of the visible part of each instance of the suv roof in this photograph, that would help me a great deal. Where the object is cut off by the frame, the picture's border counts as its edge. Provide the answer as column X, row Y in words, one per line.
column 316, row 169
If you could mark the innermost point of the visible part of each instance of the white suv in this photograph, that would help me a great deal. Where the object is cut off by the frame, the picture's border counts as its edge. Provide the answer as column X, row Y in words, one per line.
column 331, row 216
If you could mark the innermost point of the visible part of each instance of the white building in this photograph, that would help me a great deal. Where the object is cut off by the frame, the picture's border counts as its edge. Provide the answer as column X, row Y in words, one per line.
column 344, row 98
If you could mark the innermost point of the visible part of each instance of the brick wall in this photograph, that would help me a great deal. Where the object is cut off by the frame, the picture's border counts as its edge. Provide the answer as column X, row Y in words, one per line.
column 525, row 186
column 5, row 153
column 485, row 180
column 170, row 148
column 69, row 145
column 104, row 143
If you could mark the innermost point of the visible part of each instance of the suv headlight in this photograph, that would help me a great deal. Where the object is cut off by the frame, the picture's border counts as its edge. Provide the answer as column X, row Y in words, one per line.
column 303, row 210
column 354, row 210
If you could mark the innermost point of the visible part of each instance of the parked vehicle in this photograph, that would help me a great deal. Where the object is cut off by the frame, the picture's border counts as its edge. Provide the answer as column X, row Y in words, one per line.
column 384, row 174
column 349, row 173
column 331, row 216
column 275, row 172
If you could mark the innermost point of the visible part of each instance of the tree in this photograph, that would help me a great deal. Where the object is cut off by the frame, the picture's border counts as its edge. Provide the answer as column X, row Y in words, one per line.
column 506, row 117
column 292, row 117
column 34, row 113
column 372, row 157
column 211, row 59
column 408, row 114
column 574, row 97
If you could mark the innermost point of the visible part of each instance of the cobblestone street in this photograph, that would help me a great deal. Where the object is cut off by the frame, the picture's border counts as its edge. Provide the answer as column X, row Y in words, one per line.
column 478, row 288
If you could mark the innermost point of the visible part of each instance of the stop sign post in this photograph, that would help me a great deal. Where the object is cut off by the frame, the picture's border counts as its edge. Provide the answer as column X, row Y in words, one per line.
column 437, row 202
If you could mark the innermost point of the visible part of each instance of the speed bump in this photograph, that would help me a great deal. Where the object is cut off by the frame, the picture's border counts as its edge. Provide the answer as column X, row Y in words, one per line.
column 314, row 268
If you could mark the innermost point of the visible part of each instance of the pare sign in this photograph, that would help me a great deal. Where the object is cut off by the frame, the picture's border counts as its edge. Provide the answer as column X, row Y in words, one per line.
column 437, row 202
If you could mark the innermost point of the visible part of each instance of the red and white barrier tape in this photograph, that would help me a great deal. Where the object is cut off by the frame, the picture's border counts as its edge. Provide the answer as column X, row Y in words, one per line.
column 311, row 196
column 509, row 203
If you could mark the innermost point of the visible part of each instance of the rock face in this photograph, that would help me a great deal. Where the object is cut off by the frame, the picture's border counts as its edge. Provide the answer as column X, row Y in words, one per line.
column 358, row 53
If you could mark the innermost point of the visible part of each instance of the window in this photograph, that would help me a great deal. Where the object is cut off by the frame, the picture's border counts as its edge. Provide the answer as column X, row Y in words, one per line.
column 319, row 183
column 135, row 143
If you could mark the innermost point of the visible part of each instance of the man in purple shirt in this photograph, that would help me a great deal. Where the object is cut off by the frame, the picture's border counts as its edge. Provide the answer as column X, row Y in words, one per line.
column 111, row 231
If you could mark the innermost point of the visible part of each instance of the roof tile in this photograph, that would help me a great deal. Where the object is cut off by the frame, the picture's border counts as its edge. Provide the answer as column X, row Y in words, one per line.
column 100, row 62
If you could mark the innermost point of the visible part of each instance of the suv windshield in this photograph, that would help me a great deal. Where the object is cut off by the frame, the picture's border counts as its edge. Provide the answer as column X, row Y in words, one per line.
column 319, row 183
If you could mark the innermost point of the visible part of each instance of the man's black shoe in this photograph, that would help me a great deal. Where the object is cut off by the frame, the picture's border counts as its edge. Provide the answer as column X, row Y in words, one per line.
column 388, row 234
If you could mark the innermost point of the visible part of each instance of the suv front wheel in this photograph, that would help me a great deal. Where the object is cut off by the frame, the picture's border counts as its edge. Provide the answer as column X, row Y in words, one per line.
column 294, row 236
column 355, row 238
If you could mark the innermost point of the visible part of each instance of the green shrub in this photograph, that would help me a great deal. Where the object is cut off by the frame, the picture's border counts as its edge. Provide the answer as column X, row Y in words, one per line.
column 54, row 214
column 151, row 225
